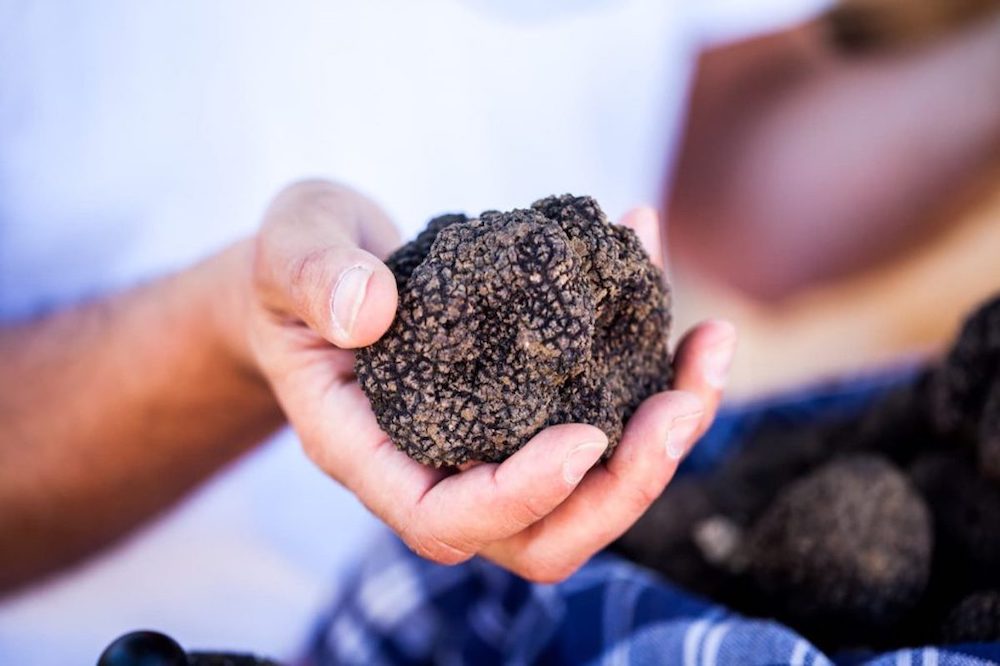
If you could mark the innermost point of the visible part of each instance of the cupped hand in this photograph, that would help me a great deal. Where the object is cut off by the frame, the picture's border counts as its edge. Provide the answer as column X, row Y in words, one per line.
column 321, row 290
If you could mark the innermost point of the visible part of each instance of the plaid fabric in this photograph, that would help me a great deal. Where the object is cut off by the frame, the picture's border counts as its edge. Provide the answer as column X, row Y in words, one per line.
column 400, row 609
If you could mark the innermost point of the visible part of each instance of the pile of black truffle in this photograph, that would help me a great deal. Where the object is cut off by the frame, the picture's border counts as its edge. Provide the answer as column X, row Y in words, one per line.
column 862, row 533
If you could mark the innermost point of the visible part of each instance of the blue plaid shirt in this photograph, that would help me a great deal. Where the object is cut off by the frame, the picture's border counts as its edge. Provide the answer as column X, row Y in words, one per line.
column 400, row 609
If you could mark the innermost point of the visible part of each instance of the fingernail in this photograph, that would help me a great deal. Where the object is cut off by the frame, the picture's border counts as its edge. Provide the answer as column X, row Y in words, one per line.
column 717, row 361
column 348, row 296
column 680, row 433
column 580, row 460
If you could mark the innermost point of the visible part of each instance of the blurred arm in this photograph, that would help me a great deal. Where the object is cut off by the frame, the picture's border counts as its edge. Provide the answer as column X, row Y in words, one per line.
column 801, row 164
column 113, row 410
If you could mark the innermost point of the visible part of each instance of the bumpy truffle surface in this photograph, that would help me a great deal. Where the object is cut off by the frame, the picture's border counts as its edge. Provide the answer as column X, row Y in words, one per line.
column 848, row 546
column 965, row 388
column 513, row 322
column 664, row 537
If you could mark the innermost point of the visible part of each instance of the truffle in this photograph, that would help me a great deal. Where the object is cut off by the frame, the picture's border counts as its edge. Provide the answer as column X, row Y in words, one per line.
column 694, row 532
column 813, row 521
column 845, row 550
column 965, row 388
column 513, row 322
column 771, row 458
column 988, row 438
column 665, row 537
column 966, row 511
column 897, row 425
column 975, row 619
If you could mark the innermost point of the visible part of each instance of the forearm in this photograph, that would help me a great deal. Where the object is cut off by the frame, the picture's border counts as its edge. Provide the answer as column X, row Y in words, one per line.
column 828, row 163
column 113, row 410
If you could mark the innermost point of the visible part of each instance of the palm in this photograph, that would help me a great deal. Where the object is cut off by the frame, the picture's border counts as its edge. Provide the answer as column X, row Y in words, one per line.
column 535, row 512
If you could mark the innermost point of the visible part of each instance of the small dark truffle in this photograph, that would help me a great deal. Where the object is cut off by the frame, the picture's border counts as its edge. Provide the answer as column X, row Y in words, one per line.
column 846, row 549
column 965, row 388
column 513, row 322
column 988, row 440
column 975, row 619
column 664, row 538
column 966, row 510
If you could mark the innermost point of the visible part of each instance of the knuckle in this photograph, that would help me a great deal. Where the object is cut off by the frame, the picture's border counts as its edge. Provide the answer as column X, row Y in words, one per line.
column 323, row 198
column 307, row 188
column 308, row 269
column 528, row 511
column 639, row 497
column 303, row 200
column 519, row 506
column 545, row 570
column 548, row 573
column 637, row 494
column 319, row 455
column 435, row 549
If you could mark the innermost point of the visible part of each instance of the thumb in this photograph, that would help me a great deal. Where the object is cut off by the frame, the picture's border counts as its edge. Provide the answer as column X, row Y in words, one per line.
column 309, row 267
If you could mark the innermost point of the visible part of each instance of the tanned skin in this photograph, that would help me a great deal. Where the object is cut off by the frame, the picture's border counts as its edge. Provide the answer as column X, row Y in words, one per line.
column 113, row 410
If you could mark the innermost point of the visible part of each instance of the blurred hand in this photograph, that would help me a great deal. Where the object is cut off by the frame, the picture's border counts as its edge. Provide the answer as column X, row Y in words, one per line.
column 321, row 290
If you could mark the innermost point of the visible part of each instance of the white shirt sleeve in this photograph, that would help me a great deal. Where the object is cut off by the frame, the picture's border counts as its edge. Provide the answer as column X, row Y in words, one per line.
column 719, row 21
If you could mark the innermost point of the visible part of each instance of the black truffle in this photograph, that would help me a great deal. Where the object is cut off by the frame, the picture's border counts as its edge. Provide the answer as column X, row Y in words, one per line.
column 965, row 388
column 898, row 425
column 975, row 619
column 666, row 538
column 513, row 322
column 795, row 525
column 988, row 437
column 966, row 510
column 844, row 550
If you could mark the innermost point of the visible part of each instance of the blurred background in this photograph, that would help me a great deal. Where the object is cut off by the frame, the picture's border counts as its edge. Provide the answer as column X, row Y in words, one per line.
column 829, row 174
column 838, row 190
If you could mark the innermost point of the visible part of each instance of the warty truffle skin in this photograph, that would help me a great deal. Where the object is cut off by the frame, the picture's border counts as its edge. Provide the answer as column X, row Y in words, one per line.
column 513, row 322
column 845, row 549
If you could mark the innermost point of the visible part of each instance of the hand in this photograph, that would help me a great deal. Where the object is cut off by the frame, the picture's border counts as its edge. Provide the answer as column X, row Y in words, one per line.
column 321, row 290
